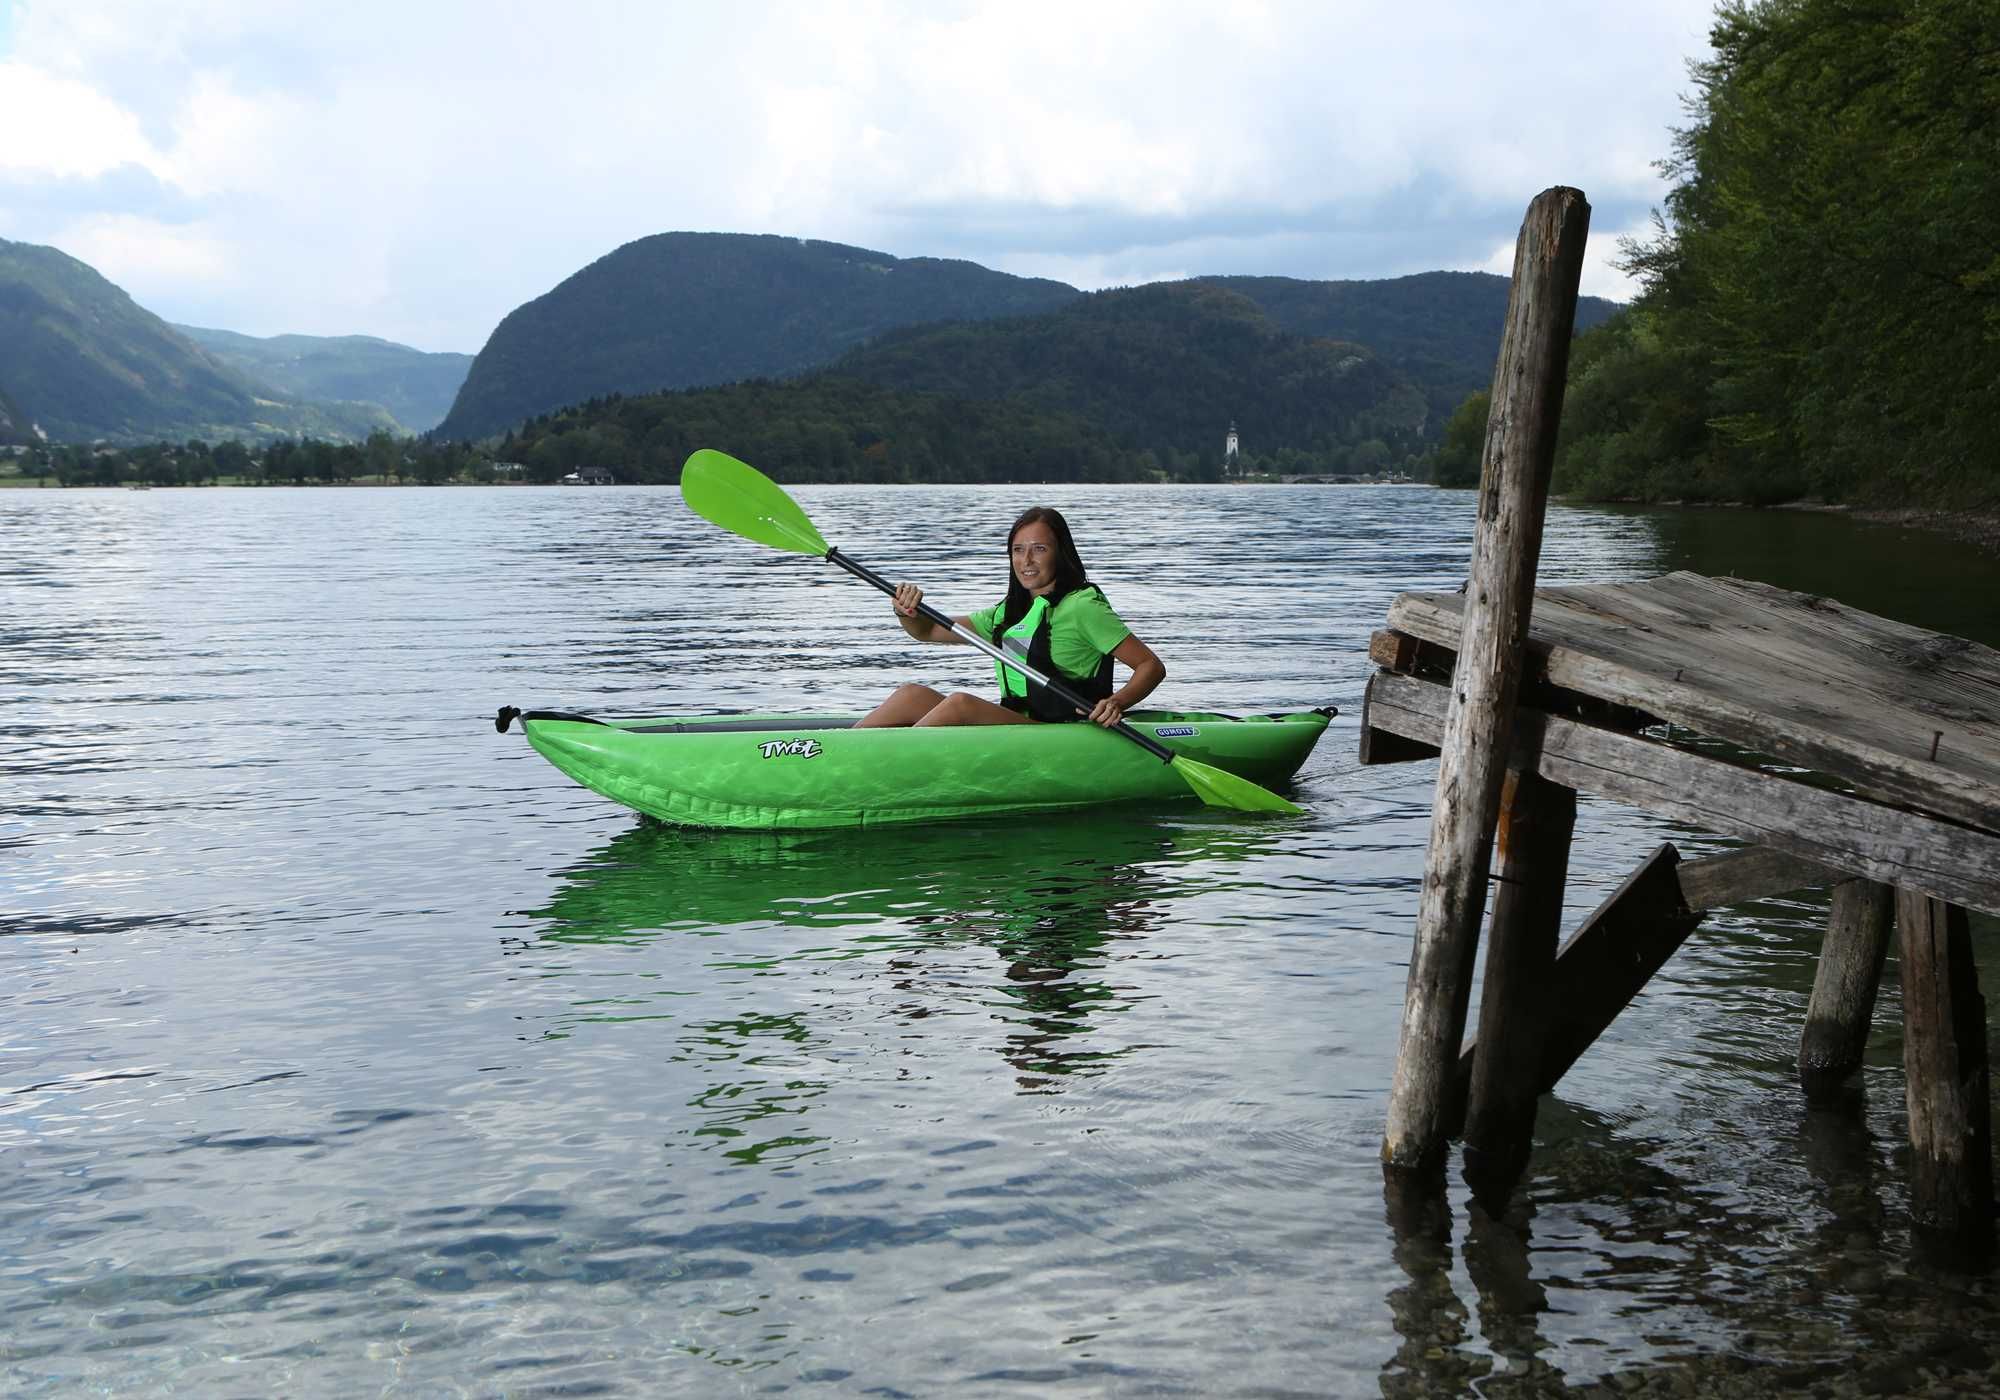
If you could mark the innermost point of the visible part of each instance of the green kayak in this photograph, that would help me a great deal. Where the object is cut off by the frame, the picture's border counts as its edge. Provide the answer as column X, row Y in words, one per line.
column 798, row 771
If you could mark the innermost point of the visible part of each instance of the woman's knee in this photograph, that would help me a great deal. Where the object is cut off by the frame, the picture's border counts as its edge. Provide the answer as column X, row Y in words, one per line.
column 956, row 708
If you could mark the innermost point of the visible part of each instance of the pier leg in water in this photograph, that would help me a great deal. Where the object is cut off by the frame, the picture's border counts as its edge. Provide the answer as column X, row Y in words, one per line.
column 1537, row 818
column 1843, row 994
column 1944, row 1061
column 1428, row 1315
column 1479, row 725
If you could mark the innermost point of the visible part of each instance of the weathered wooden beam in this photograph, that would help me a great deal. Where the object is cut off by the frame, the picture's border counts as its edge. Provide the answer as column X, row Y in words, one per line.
column 1843, row 994
column 1754, row 872
column 1513, row 499
column 1849, row 834
column 1944, row 1062
column 1393, row 651
column 1380, row 745
column 1602, row 966
column 1404, row 654
column 1537, row 819
column 1900, row 715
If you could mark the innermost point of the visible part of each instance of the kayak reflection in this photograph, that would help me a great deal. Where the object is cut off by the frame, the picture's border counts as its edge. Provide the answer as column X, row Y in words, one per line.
column 973, row 877
column 1056, row 899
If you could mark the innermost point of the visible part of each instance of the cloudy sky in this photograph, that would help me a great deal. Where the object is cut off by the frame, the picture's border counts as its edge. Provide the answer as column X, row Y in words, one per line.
column 417, row 169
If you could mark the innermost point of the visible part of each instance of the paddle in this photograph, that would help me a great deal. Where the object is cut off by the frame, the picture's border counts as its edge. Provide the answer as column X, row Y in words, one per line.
column 743, row 501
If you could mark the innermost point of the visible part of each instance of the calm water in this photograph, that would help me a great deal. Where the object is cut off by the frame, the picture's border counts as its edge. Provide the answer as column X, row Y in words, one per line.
column 348, row 1049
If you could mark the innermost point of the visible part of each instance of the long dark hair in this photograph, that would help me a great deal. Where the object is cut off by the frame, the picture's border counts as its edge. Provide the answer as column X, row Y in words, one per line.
column 1069, row 567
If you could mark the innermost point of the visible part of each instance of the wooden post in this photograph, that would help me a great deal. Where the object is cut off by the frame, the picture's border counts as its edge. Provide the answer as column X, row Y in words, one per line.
column 1513, row 497
column 1843, row 994
column 1603, row 965
column 1536, row 820
column 1944, row 1061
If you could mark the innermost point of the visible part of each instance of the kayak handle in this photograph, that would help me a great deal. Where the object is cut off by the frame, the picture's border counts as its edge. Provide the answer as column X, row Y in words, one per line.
column 965, row 634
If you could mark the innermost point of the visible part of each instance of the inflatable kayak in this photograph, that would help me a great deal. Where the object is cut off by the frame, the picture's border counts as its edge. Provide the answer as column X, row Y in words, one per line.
column 796, row 771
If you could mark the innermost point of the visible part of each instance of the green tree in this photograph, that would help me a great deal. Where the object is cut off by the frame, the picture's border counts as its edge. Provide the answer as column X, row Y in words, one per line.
column 1830, row 252
column 1457, row 458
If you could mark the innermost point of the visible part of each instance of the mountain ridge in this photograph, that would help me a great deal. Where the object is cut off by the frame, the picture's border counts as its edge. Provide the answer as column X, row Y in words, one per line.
column 684, row 310
column 666, row 312
column 82, row 360
column 416, row 387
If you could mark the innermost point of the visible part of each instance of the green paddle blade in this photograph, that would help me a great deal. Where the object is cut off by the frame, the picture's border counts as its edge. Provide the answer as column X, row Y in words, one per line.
column 1224, row 789
column 744, row 501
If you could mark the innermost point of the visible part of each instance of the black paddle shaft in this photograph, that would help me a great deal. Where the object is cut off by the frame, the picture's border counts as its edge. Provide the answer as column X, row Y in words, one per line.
column 1057, row 688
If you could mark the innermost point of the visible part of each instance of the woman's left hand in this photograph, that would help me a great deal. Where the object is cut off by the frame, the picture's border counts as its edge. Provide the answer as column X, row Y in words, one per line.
column 1107, row 713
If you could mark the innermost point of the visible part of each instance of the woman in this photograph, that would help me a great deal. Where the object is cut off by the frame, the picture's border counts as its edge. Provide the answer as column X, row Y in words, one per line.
column 1055, row 619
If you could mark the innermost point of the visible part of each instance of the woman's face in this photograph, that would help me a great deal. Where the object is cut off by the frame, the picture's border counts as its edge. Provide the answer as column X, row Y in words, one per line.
column 1033, row 551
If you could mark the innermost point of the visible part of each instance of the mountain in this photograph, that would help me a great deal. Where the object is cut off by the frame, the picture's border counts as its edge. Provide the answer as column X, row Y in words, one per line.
column 1442, row 329
column 1165, row 367
column 680, row 309
column 85, row 361
column 15, row 427
column 415, row 386
column 1121, row 385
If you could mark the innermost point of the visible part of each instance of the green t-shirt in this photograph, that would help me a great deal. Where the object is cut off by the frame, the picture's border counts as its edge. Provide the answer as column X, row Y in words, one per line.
column 1082, row 630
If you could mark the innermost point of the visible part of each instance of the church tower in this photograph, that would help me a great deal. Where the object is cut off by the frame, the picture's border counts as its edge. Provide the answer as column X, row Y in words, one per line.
column 1229, row 449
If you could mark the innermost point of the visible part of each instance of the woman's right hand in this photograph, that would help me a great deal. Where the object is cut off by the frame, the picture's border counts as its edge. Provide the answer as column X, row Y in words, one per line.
column 908, row 595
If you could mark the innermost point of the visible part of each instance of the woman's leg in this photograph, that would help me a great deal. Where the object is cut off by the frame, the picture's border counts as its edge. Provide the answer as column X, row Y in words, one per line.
column 905, row 706
column 961, row 707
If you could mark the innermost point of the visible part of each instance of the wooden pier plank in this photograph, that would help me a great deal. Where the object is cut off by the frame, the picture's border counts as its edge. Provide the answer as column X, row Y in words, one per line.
column 1902, row 715
column 1754, row 872
column 1833, row 829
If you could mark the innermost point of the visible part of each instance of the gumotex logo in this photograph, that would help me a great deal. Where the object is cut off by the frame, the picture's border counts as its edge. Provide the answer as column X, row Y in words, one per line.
column 790, row 748
column 1176, row 731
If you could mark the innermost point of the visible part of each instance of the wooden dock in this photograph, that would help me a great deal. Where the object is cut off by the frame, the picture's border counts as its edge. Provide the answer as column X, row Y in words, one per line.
column 1842, row 748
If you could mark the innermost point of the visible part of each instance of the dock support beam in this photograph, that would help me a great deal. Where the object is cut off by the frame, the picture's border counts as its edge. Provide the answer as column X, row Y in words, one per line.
column 1513, row 498
column 1944, row 1062
column 1537, row 818
column 1843, row 994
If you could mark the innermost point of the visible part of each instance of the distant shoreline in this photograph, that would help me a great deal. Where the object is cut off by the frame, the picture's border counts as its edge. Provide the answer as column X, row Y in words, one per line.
column 1980, row 529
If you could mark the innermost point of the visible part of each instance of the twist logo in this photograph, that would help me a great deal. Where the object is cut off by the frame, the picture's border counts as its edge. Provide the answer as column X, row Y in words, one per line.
column 790, row 748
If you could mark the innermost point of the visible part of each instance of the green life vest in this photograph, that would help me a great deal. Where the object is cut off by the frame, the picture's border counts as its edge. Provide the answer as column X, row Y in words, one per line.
column 1029, row 640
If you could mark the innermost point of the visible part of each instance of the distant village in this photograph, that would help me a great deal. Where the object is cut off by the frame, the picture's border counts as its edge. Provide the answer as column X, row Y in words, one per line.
column 1234, row 469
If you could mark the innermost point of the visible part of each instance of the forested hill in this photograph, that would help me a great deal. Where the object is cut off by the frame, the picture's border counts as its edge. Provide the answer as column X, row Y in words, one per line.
column 1137, row 384
column 1165, row 368
column 14, row 427
column 1442, row 329
column 680, row 309
column 81, row 360
column 415, row 386
column 1820, row 311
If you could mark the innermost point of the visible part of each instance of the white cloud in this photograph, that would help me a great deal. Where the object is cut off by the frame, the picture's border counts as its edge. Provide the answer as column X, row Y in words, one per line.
column 135, row 251
column 1601, row 251
column 65, row 128
column 417, row 171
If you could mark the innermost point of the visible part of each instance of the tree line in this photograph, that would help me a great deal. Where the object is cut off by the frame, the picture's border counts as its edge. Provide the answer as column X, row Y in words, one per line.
column 308, row 461
column 1819, row 313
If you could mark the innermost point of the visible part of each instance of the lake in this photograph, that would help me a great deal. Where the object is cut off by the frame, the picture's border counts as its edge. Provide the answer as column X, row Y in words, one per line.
column 349, row 1048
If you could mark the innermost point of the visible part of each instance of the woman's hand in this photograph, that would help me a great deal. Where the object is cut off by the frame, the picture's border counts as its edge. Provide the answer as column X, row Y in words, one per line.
column 1107, row 713
column 907, row 596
